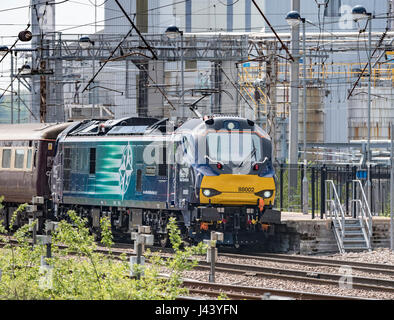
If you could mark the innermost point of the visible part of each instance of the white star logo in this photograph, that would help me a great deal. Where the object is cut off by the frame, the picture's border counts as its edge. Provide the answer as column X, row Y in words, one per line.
column 125, row 169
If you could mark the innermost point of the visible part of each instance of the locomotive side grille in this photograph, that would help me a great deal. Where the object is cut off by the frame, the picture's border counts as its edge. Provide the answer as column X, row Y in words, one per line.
column 66, row 169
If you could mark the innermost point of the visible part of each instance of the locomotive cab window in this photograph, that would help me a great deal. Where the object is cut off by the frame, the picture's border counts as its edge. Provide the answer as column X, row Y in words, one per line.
column 187, row 147
column 234, row 148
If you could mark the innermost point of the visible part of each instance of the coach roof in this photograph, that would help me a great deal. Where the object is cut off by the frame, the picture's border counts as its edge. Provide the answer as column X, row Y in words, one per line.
column 31, row 131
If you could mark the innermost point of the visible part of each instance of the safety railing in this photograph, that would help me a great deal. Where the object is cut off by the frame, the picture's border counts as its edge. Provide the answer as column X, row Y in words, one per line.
column 335, row 212
column 363, row 212
column 381, row 72
column 263, row 102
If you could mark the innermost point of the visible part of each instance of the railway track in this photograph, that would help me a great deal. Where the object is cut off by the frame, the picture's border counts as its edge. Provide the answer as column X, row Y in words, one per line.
column 381, row 285
column 238, row 292
column 258, row 271
column 317, row 261
column 316, row 278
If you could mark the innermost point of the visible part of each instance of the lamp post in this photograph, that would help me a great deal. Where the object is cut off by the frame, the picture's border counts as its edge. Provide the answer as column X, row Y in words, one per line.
column 3, row 51
column 173, row 32
column 25, row 69
column 12, row 86
column 19, row 91
column 86, row 43
column 391, row 188
column 294, row 103
column 293, row 18
column 359, row 13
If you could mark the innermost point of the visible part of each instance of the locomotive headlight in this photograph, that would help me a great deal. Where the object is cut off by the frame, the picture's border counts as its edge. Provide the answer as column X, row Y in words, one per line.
column 208, row 192
column 231, row 125
column 265, row 193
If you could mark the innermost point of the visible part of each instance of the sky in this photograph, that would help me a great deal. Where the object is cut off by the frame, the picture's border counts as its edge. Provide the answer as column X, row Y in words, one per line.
column 15, row 14
column 68, row 14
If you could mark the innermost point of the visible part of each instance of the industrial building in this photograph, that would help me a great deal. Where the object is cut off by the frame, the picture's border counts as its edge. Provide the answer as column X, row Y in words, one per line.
column 224, row 46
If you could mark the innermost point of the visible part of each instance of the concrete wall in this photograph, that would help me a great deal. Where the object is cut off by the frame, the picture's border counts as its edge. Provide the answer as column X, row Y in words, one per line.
column 317, row 236
column 314, row 236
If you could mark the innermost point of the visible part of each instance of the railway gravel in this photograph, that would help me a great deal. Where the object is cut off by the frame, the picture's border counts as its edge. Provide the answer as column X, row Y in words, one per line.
column 255, row 281
column 379, row 255
column 302, row 267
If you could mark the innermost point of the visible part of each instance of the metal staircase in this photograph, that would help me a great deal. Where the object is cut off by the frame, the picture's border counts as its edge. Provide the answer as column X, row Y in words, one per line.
column 353, row 233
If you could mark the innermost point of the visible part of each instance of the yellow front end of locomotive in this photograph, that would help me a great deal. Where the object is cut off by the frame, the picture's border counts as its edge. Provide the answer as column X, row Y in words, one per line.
column 237, row 189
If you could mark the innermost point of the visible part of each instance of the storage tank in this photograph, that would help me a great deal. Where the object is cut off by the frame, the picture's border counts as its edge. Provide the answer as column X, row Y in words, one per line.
column 314, row 115
column 382, row 113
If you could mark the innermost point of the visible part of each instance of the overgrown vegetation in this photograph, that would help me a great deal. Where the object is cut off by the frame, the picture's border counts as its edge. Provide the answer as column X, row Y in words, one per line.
column 79, row 271
column 294, row 203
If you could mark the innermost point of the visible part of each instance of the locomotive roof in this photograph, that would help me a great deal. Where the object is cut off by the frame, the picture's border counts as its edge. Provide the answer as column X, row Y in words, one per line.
column 123, row 126
column 31, row 131
column 220, row 122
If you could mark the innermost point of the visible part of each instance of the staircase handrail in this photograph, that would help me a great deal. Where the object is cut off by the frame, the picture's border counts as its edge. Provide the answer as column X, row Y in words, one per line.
column 336, row 212
column 366, row 211
column 364, row 215
column 360, row 215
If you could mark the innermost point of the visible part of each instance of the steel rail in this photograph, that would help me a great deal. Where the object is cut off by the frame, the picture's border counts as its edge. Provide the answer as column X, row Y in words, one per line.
column 375, row 284
column 319, row 278
column 259, row 292
column 358, row 282
column 317, row 261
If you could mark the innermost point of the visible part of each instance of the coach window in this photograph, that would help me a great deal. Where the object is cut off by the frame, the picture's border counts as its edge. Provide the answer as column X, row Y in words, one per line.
column 35, row 158
column 29, row 158
column 19, row 158
column 6, row 159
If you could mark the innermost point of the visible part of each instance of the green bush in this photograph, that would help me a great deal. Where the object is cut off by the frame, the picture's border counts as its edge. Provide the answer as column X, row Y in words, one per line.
column 80, row 272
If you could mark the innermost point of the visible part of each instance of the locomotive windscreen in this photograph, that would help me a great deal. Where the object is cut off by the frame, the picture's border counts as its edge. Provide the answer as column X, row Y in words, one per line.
column 234, row 147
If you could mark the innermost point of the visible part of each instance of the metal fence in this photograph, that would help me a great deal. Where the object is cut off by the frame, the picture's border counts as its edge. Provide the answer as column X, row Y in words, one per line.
column 342, row 175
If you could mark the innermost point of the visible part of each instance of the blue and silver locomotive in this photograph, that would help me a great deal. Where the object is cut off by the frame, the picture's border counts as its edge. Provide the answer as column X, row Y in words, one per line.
column 213, row 173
